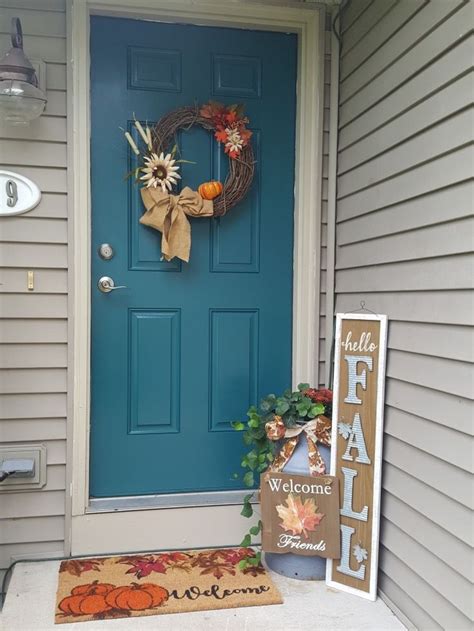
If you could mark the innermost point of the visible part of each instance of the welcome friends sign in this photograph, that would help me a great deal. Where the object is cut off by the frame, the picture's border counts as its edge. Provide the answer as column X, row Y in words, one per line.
column 356, row 453
column 300, row 514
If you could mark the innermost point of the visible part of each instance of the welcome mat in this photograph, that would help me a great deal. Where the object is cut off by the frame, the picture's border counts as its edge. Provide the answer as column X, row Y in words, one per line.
column 157, row 583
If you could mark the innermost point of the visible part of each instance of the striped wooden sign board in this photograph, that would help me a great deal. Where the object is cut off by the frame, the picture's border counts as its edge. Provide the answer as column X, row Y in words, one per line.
column 356, row 456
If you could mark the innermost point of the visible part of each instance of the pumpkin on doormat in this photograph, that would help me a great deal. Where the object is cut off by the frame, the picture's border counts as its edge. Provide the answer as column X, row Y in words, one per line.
column 136, row 597
column 87, row 599
column 107, row 600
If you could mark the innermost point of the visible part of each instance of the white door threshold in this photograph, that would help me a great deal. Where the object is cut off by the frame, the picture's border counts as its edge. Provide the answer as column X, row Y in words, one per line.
column 308, row 605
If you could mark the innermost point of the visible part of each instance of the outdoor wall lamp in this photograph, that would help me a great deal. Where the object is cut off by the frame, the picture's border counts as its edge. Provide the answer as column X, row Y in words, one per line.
column 21, row 100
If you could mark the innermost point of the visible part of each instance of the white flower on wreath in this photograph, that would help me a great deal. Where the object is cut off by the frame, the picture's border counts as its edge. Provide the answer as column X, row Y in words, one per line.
column 234, row 139
column 160, row 171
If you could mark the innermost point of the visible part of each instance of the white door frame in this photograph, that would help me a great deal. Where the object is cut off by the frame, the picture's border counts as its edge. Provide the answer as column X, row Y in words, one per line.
column 128, row 530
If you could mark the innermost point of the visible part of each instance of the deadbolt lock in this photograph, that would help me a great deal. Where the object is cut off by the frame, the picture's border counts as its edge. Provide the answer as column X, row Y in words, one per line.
column 106, row 251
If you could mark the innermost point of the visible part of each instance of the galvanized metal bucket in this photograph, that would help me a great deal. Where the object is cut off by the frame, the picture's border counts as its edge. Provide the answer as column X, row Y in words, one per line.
column 294, row 565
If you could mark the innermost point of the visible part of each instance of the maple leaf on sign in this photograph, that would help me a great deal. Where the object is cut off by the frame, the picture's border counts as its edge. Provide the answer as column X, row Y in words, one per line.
column 344, row 430
column 360, row 553
column 299, row 517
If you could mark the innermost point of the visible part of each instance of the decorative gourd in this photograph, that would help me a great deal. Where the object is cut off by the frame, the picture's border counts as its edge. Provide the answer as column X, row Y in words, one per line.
column 137, row 597
column 87, row 599
column 210, row 190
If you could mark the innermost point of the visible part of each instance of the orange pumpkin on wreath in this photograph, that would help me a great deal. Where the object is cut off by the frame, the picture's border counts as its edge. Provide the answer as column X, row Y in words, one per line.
column 210, row 190
column 136, row 597
column 87, row 599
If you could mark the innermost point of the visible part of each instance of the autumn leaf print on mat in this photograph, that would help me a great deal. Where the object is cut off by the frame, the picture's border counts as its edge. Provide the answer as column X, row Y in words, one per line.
column 299, row 517
column 214, row 562
column 146, row 564
column 225, row 561
column 76, row 567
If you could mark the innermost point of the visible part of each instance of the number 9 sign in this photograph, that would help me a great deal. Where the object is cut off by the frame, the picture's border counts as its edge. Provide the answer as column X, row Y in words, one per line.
column 18, row 194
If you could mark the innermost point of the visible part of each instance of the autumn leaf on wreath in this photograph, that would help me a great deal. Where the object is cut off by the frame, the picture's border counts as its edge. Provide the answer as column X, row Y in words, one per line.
column 299, row 517
column 360, row 553
column 231, row 117
column 221, row 135
column 76, row 567
column 246, row 134
column 211, row 109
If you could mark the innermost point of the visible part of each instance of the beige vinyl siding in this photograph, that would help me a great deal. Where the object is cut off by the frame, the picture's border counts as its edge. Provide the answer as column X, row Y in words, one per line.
column 404, row 242
column 33, row 325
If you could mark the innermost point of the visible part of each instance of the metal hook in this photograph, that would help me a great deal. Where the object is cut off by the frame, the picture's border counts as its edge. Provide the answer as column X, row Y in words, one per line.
column 362, row 308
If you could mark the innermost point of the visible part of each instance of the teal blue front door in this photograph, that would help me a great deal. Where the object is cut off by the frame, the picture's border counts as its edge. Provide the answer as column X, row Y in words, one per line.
column 186, row 348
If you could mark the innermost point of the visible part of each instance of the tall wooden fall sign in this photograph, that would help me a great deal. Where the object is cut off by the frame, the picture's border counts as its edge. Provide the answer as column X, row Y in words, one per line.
column 356, row 456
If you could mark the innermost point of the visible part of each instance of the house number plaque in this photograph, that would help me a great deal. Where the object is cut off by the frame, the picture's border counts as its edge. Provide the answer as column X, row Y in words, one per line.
column 18, row 194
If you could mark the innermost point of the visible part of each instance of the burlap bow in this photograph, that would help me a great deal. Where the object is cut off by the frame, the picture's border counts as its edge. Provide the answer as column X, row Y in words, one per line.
column 316, row 430
column 167, row 213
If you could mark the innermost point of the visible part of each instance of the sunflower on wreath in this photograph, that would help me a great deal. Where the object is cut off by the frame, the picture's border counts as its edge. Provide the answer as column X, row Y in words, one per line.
column 157, row 172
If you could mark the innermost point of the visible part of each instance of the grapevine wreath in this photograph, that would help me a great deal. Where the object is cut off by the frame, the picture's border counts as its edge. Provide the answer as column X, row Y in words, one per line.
column 158, row 173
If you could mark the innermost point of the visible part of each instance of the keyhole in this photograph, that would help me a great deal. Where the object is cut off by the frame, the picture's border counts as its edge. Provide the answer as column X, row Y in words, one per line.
column 12, row 193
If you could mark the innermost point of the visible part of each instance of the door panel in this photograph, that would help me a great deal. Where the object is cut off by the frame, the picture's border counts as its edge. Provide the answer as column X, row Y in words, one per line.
column 186, row 348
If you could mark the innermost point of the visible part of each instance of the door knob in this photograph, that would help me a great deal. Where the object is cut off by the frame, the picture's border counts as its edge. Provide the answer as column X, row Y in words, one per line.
column 106, row 285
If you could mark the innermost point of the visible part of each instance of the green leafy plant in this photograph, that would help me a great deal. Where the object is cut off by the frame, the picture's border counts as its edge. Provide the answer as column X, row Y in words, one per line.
column 290, row 409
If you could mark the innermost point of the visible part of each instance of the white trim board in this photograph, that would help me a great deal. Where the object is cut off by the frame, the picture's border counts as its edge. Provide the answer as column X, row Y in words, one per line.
column 306, row 23
column 176, row 528
column 331, row 225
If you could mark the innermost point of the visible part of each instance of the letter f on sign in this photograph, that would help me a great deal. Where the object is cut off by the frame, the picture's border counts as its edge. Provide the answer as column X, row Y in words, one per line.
column 354, row 378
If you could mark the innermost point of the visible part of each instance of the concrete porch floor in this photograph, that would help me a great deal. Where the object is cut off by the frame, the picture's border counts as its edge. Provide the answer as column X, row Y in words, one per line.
column 308, row 606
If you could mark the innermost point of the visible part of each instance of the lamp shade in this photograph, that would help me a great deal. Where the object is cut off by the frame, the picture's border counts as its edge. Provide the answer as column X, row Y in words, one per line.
column 21, row 100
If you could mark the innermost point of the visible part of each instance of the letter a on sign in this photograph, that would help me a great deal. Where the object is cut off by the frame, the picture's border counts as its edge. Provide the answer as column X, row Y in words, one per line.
column 356, row 456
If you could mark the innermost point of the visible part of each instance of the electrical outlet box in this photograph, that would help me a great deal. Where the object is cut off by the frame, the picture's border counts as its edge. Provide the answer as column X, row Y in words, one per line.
column 35, row 452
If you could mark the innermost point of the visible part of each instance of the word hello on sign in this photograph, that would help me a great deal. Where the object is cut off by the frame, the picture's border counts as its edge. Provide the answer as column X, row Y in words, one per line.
column 356, row 456
column 300, row 514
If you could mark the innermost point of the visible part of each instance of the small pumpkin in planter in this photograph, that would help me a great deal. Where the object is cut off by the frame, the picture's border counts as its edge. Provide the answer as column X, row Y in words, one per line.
column 210, row 190
column 87, row 599
column 137, row 597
